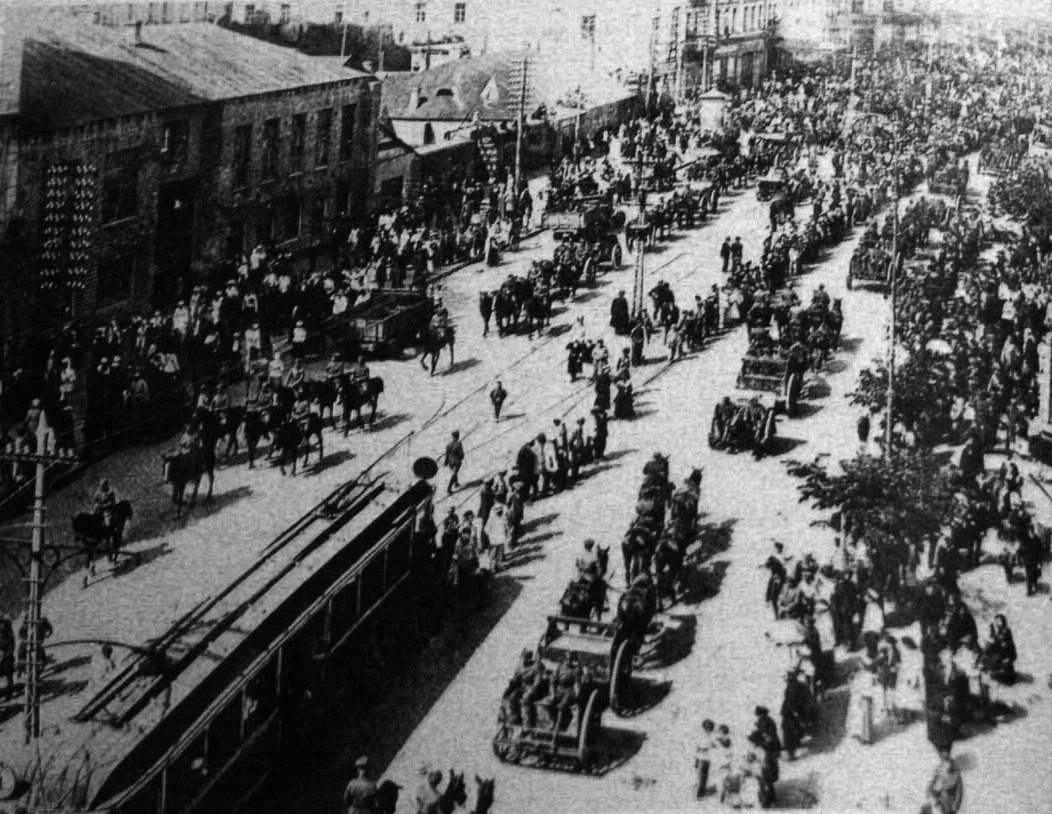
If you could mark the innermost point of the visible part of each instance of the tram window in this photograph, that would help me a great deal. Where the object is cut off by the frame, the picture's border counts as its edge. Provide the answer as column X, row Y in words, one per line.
column 224, row 734
column 260, row 697
column 146, row 801
column 398, row 557
column 344, row 609
column 372, row 583
column 187, row 775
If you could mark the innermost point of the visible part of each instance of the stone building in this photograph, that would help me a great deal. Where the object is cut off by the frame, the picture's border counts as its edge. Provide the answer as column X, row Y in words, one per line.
column 138, row 160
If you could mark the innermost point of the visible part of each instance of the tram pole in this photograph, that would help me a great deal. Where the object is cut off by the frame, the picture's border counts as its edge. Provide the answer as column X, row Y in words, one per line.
column 520, row 119
column 893, row 285
column 33, row 614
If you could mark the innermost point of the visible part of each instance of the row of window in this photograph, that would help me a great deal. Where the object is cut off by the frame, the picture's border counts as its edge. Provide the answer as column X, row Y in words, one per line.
column 273, row 155
column 460, row 12
column 285, row 678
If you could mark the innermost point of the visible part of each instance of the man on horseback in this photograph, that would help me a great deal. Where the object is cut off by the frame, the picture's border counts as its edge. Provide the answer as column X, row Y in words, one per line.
column 104, row 502
column 360, row 373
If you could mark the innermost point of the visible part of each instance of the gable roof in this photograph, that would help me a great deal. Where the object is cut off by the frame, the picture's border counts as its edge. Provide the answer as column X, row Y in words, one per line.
column 455, row 90
column 75, row 73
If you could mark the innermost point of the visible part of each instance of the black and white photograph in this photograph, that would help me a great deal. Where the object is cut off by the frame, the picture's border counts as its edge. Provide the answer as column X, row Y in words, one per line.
column 525, row 407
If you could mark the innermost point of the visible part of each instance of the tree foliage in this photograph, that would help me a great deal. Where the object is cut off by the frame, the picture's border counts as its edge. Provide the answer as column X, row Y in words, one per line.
column 923, row 394
column 892, row 502
column 1025, row 193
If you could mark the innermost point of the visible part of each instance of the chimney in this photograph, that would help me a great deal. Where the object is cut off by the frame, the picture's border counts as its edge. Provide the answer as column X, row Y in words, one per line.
column 138, row 32
column 12, row 46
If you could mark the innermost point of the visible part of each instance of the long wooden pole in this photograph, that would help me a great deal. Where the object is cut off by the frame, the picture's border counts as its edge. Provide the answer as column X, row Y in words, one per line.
column 519, row 128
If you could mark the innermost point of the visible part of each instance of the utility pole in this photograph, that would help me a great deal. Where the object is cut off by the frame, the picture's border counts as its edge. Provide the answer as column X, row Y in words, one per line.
column 427, row 52
column 42, row 459
column 380, row 48
column 650, row 72
column 343, row 42
column 520, row 126
column 893, row 285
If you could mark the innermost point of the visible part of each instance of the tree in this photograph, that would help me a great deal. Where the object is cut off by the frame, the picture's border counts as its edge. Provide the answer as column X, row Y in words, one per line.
column 924, row 394
column 894, row 504
column 1026, row 193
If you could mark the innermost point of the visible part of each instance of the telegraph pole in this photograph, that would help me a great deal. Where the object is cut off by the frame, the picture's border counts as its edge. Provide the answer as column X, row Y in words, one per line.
column 42, row 459
column 519, row 127
column 893, row 285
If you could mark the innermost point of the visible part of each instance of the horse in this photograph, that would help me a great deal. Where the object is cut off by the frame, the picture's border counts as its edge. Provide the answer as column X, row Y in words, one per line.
column 287, row 440
column 454, row 796
column 354, row 396
column 668, row 564
column 182, row 469
column 384, row 800
column 255, row 430
column 92, row 529
column 586, row 596
column 637, row 548
column 635, row 612
column 432, row 340
column 484, row 796
column 311, row 427
column 233, row 419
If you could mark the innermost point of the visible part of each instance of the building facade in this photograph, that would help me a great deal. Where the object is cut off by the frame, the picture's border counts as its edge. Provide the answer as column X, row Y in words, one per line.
column 140, row 162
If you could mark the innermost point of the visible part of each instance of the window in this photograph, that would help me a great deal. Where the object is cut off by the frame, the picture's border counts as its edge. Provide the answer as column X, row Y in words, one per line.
column 151, row 13
column 298, row 142
column 290, row 219
column 460, row 12
column 224, row 734
column 338, row 18
column 175, row 142
column 421, row 12
column 588, row 27
column 164, row 12
column 114, row 281
column 250, row 12
column 285, row 14
column 271, row 135
column 347, row 121
column 242, row 155
column 323, row 140
column 260, row 697
column 120, row 186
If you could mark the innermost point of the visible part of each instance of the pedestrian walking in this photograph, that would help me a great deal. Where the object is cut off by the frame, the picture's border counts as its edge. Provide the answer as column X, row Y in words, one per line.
column 485, row 310
column 497, row 396
column 736, row 254
column 454, row 460
column 357, row 797
column 725, row 253
column 707, row 746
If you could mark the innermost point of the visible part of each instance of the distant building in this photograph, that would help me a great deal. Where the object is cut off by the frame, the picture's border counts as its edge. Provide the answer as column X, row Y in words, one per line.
column 147, row 158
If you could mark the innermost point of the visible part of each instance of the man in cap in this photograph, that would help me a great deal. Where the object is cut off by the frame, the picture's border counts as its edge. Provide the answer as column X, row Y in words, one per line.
column 497, row 396
column 358, row 794
column 707, row 746
column 454, row 460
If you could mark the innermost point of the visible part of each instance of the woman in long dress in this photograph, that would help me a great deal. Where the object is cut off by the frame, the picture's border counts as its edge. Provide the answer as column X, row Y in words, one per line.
column 864, row 690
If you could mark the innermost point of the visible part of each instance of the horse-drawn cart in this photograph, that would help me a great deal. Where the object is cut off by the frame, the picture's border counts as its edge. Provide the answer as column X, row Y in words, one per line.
column 950, row 180
column 597, row 647
column 390, row 321
column 542, row 736
column 868, row 270
column 744, row 424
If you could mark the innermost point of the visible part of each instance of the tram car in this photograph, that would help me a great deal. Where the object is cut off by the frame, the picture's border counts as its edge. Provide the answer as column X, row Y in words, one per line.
column 196, row 720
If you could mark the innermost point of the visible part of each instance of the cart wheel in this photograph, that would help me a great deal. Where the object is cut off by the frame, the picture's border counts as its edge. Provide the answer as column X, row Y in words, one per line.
column 621, row 678
column 587, row 730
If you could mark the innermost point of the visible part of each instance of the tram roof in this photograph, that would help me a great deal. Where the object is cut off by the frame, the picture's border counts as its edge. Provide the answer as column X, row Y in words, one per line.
column 244, row 591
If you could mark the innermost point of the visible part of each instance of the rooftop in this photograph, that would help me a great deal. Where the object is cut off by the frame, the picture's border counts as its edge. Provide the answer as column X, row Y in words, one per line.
column 74, row 73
